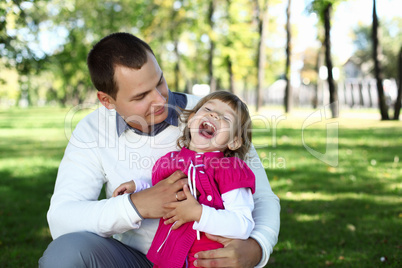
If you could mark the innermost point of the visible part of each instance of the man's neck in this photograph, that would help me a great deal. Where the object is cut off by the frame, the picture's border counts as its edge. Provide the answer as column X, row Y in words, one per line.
column 144, row 129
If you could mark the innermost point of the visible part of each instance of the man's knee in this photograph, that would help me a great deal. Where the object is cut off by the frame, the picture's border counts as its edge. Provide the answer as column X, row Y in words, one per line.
column 70, row 250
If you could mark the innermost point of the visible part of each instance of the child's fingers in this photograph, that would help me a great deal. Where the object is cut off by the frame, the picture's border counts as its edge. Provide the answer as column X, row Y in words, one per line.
column 169, row 215
column 116, row 192
column 121, row 190
column 176, row 225
column 187, row 192
column 169, row 221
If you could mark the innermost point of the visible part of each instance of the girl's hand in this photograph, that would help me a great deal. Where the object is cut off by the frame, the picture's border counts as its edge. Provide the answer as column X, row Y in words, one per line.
column 125, row 188
column 183, row 211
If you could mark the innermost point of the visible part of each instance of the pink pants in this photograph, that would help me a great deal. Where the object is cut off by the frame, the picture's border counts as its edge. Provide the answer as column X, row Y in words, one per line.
column 201, row 245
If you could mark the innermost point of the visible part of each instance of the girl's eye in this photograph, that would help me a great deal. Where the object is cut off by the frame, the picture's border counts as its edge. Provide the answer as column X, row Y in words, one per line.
column 207, row 109
column 226, row 118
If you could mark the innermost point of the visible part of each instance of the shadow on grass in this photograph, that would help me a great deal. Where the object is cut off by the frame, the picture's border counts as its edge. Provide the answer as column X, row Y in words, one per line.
column 343, row 232
column 343, row 216
column 17, row 147
column 23, row 206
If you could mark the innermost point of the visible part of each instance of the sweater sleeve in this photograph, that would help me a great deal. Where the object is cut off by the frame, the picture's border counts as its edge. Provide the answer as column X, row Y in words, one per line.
column 266, row 213
column 74, row 205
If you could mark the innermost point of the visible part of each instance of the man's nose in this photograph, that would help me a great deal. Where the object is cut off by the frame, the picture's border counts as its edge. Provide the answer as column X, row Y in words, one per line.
column 157, row 96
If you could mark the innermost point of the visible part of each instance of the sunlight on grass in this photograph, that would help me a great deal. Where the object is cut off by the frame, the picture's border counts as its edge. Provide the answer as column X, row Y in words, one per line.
column 346, row 215
column 306, row 217
column 306, row 196
column 43, row 233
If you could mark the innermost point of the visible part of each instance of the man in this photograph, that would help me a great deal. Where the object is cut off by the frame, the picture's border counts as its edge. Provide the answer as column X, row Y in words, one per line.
column 120, row 141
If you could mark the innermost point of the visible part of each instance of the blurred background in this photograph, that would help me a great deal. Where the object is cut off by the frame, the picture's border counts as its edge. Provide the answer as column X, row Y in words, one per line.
column 322, row 79
column 254, row 48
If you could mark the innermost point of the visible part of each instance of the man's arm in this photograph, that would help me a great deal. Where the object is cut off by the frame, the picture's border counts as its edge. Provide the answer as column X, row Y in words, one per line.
column 150, row 202
column 75, row 206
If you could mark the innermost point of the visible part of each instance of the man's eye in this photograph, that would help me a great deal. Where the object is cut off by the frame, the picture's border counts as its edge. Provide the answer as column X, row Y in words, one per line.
column 139, row 97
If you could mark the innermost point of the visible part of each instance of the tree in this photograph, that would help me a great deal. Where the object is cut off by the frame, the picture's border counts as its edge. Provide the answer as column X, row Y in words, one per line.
column 324, row 9
column 333, row 94
column 288, row 89
column 211, row 10
column 377, row 66
column 399, row 97
column 236, row 49
column 19, row 25
column 184, row 35
column 262, row 18
column 391, row 36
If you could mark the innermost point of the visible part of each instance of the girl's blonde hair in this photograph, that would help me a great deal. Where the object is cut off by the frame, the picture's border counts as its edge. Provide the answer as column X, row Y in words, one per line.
column 243, row 126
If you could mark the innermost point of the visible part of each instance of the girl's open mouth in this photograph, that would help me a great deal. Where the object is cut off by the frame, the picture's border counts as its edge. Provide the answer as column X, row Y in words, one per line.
column 207, row 130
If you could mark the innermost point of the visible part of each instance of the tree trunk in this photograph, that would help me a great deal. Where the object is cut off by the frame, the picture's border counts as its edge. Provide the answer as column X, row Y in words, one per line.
column 399, row 97
column 377, row 67
column 318, row 84
column 230, row 72
column 177, row 66
column 262, row 14
column 212, row 81
column 174, row 36
column 288, row 90
column 333, row 94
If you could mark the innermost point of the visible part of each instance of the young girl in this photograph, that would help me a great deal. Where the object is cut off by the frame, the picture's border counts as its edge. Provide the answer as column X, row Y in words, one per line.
column 220, row 185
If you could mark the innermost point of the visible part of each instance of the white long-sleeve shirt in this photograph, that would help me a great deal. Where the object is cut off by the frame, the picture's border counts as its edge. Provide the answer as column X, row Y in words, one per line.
column 238, row 204
column 97, row 156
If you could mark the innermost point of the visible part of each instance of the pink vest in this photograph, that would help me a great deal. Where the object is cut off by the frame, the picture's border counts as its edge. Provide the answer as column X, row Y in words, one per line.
column 214, row 176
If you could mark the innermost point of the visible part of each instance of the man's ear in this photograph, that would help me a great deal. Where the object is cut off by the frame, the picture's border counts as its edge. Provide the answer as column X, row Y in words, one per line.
column 106, row 100
column 235, row 144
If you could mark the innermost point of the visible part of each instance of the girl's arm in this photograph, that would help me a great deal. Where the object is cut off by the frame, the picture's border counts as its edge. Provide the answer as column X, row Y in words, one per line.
column 256, row 250
column 235, row 221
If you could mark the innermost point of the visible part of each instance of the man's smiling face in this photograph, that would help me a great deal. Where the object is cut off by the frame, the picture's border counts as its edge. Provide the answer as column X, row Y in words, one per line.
column 142, row 95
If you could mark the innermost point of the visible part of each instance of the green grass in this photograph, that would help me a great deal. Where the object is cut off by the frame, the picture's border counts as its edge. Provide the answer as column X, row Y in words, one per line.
column 348, row 215
column 32, row 143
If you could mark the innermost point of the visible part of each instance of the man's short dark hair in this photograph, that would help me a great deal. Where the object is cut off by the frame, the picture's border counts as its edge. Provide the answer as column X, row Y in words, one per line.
column 115, row 49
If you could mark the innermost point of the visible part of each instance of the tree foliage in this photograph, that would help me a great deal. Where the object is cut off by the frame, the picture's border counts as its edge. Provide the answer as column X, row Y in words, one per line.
column 179, row 31
column 391, row 40
column 324, row 9
column 44, row 44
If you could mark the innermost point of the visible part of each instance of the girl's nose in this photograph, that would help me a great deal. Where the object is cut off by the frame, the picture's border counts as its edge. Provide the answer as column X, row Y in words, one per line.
column 214, row 115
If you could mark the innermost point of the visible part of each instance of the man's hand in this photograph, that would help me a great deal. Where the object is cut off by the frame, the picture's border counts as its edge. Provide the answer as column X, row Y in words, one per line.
column 235, row 253
column 185, row 211
column 150, row 202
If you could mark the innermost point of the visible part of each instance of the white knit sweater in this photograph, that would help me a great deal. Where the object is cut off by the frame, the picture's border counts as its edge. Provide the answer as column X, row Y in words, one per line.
column 96, row 156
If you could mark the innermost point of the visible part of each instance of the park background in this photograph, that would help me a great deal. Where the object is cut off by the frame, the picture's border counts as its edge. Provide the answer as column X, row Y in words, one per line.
column 330, row 151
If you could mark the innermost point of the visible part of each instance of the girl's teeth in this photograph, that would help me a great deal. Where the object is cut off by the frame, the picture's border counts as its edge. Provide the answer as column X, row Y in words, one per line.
column 209, row 124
